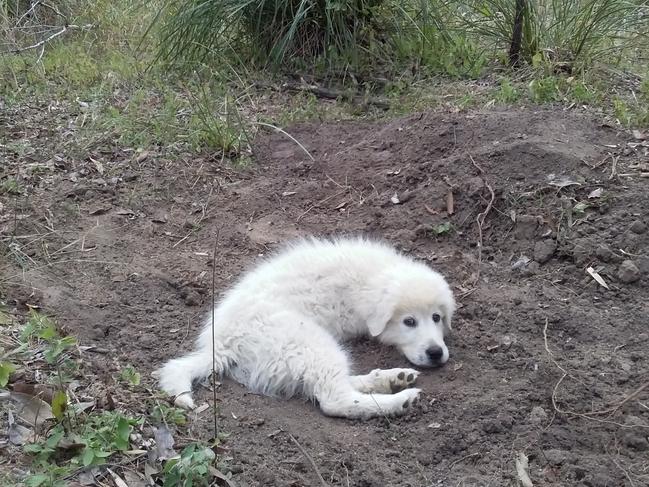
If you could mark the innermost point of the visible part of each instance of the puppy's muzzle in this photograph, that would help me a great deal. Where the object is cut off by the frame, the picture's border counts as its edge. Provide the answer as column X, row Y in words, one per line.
column 435, row 355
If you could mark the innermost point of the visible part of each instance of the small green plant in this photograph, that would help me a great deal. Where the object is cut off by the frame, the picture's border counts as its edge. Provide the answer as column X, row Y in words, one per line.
column 544, row 90
column 41, row 328
column 442, row 228
column 99, row 437
column 163, row 414
column 191, row 469
column 581, row 93
column 580, row 208
column 507, row 93
column 129, row 375
column 6, row 369
column 10, row 186
column 104, row 435
column 622, row 112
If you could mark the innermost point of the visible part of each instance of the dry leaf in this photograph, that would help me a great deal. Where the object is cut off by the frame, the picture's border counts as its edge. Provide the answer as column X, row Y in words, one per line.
column 596, row 193
column 80, row 407
column 119, row 482
column 88, row 477
column 18, row 434
column 202, row 408
column 597, row 277
column 521, row 469
column 219, row 475
column 32, row 409
column 100, row 210
column 341, row 205
column 142, row 157
column 638, row 135
column 164, row 444
column 133, row 479
column 39, row 390
column 98, row 165
column 561, row 181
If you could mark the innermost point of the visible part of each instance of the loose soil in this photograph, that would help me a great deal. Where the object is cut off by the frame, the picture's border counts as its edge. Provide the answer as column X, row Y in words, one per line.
column 119, row 248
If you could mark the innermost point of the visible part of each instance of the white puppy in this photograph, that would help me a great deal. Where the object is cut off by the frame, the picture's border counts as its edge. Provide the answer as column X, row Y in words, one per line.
column 278, row 330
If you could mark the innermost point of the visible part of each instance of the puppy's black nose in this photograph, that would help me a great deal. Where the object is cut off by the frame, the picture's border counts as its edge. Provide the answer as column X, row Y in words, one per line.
column 435, row 353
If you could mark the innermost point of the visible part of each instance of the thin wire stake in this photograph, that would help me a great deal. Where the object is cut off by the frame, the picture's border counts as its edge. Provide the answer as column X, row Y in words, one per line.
column 216, row 425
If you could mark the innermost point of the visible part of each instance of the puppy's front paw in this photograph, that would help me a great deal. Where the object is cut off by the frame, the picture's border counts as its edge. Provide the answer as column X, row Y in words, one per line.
column 406, row 400
column 401, row 379
column 184, row 401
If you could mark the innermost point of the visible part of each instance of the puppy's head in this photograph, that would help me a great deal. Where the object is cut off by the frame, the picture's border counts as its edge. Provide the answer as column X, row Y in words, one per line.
column 413, row 312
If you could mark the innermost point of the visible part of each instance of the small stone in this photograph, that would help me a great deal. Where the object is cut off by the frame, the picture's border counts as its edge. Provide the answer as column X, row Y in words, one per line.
column 148, row 341
column 531, row 270
column 538, row 415
column 604, row 253
column 628, row 272
column 526, row 226
column 638, row 226
column 192, row 298
column 543, row 250
column 600, row 480
column 581, row 252
column 643, row 264
column 556, row 456
column 634, row 440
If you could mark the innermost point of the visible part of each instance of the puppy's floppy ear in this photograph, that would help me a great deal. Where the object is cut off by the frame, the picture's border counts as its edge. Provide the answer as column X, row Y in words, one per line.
column 380, row 316
column 377, row 305
column 448, row 309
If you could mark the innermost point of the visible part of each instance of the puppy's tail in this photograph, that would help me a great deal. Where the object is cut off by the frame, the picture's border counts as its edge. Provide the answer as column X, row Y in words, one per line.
column 177, row 375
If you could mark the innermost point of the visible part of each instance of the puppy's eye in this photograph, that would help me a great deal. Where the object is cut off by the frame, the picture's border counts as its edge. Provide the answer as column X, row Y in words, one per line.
column 409, row 321
column 436, row 317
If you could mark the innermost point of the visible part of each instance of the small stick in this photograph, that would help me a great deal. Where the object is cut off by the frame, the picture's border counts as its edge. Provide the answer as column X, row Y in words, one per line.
column 308, row 457
column 216, row 422
column 480, row 219
column 288, row 135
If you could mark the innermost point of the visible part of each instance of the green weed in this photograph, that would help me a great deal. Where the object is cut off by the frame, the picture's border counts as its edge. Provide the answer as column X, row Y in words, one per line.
column 507, row 93
column 163, row 414
column 191, row 469
column 442, row 228
column 130, row 376
column 6, row 369
column 99, row 437
column 42, row 330
column 545, row 90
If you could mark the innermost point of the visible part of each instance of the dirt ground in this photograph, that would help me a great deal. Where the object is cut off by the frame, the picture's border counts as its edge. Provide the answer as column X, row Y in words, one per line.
column 544, row 360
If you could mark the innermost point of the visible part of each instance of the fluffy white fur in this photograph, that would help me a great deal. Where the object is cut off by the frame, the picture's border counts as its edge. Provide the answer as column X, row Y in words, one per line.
column 278, row 330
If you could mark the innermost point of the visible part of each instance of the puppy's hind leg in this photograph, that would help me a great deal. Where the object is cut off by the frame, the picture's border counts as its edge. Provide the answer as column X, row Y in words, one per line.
column 387, row 381
column 345, row 401
column 177, row 375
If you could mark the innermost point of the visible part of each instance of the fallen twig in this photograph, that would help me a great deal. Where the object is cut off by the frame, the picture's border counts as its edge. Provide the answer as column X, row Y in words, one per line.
column 480, row 219
column 289, row 136
column 42, row 42
column 310, row 460
column 614, row 167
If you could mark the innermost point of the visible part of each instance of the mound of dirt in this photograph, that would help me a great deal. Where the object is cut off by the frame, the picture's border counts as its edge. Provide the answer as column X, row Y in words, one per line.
column 512, row 206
